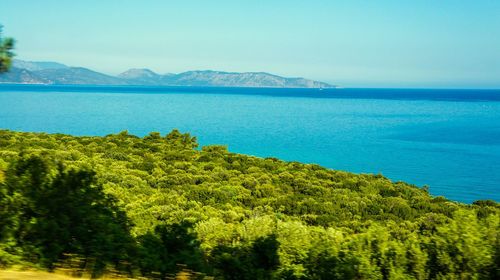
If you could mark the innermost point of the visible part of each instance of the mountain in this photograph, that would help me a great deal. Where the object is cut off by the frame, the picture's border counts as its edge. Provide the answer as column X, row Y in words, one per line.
column 78, row 76
column 37, row 66
column 28, row 72
column 22, row 76
column 247, row 79
column 142, row 77
column 218, row 79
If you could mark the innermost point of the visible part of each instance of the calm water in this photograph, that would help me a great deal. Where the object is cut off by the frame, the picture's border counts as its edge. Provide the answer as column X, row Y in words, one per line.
column 447, row 139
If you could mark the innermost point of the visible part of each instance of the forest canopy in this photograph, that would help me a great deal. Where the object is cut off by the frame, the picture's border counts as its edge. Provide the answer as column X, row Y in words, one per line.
column 156, row 205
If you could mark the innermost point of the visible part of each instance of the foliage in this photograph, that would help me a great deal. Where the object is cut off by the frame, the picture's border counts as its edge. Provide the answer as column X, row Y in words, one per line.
column 159, row 205
column 52, row 212
column 6, row 54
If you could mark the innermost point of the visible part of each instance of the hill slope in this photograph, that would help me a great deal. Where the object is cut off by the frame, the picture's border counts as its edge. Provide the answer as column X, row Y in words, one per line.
column 142, row 77
column 37, row 66
column 248, row 79
column 56, row 73
column 230, row 215
column 22, row 76
column 78, row 76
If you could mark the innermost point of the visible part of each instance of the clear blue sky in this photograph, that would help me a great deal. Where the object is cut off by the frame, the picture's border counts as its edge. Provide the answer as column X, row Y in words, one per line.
column 351, row 43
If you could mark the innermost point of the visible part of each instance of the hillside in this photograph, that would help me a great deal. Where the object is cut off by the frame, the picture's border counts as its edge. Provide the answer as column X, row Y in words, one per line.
column 77, row 76
column 37, row 66
column 249, row 79
column 146, row 205
column 26, row 72
column 22, row 76
column 142, row 77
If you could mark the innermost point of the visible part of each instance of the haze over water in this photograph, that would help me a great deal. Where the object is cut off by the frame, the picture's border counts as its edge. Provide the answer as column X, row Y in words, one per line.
column 449, row 140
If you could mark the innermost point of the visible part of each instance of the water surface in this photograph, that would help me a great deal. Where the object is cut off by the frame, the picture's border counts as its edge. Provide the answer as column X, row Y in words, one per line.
column 447, row 139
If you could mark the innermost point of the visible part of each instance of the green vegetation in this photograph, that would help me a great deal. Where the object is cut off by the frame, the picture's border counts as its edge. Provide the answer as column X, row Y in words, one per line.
column 6, row 54
column 157, row 205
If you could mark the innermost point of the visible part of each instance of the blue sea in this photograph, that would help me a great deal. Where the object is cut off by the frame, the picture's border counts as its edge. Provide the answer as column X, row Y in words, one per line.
column 446, row 139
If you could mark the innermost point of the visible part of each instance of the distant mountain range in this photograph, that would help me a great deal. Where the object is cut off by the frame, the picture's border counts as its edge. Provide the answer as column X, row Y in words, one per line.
column 27, row 72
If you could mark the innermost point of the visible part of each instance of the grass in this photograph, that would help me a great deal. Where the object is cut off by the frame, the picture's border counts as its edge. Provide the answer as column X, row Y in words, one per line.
column 16, row 274
column 43, row 275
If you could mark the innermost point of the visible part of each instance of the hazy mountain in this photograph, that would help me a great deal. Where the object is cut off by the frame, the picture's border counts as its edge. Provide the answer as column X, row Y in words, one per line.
column 247, row 79
column 55, row 73
column 142, row 77
column 36, row 66
column 136, row 73
column 218, row 78
column 22, row 76
column 78, row 76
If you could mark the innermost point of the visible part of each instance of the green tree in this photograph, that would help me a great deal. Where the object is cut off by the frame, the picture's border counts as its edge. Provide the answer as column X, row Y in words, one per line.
column 6, row 54
column 163, row 250
column 227, row 215
column 258, row 261
column 64, row 211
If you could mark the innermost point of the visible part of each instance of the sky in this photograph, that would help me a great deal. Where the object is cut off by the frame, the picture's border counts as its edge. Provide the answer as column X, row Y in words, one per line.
column 434, row 44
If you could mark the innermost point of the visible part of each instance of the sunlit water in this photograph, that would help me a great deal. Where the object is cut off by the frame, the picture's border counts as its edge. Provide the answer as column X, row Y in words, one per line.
column 449, row 140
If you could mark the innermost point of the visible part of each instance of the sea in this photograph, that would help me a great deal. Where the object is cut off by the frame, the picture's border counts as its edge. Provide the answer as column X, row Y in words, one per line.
column 446, row 139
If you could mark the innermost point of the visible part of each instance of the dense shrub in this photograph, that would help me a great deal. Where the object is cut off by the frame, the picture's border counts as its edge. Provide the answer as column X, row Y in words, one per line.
column 157, row 205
